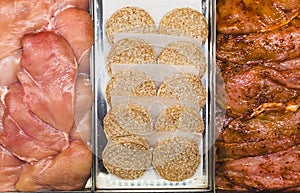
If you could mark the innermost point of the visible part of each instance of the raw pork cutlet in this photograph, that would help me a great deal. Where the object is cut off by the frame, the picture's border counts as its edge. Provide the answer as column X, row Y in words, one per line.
column 270, row 172
column 79, row 34
column 9, row 67
column 69, row 170
column 79, row 4
column 21, row 17
column 274, row 46
column 10, row 170
column 83, row 102
column 48, row 78
column 246, row 16
column 24, row 134
column 247, row 90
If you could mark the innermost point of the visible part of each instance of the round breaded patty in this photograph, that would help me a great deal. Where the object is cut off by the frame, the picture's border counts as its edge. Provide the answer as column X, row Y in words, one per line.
column 184, row 87
column 130, row 51
column 127, row 119
column 130, row 83
column 127, row 157
column 176, row 159
column 180, row 117
column 129, row 19
column 183, row 53
column 184, row 22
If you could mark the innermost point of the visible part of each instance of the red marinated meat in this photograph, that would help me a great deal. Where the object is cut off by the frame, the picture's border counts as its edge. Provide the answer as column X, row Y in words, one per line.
column 247, row 90
column 267, row 125
column 270, row 172
column 247, row 16
column 274, row 46
column 48, row 78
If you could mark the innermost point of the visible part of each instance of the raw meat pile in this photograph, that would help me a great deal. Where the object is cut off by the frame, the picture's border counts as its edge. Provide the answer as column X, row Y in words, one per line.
column 45, row 94
column 258, row 60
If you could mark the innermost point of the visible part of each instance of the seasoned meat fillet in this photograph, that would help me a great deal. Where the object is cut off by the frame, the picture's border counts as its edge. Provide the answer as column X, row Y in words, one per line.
column 286, row 72
column 228, row 151
column 247, row 90
column 277, row 45
column 276, row 171
column 246, row 16
column 267, row 125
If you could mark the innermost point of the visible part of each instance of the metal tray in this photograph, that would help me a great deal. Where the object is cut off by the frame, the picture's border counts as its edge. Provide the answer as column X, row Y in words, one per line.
column 101, row 181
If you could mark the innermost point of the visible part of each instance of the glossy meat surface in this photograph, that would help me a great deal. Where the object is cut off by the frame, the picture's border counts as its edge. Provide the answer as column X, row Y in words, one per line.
column 80, row 4
column 267, row 125
column 276, row 171
column 67, row 171
column 48, row 77
column 247, row 90
column 78, row 33
column 228, row 151
column 9, row 67
column 274, row 46
column 10, row 170
column 24, row 134
column 247, row 16
column 20, row 17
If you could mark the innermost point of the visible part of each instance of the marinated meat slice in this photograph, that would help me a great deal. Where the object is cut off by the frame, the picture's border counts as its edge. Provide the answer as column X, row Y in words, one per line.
column 78, row 33
column 247, row 90
column 24, row 134
column 48, row 77
column 247, row 16
column 274, row 46
column 286, row 72
column 80, row 4
column 227, row 151
column 222, row 183
column 276, row 171
column 69, row 170
column 20, row 17
column 10, row 170
column 267, row 125
column 9, row 67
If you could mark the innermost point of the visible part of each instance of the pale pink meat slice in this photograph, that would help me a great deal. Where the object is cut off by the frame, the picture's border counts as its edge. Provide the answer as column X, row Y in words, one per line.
column 9, row 67
column 83, row 106
column 48, row 77
column 10, row 170
column 24, row 134
column 69, row 170
column 20, row 17
column 80, row 4
column 78, row 32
